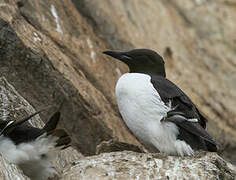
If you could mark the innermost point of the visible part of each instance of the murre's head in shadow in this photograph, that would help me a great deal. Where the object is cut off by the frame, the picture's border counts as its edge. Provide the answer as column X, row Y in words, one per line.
column 141, row 61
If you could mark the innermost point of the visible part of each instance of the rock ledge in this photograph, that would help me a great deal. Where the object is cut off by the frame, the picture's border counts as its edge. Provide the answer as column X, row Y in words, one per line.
column 132, row 165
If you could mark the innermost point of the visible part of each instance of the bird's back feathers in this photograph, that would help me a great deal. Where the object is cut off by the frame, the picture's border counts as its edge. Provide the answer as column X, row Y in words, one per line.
column 170, row 92
column 26, row 133
column 193, row 133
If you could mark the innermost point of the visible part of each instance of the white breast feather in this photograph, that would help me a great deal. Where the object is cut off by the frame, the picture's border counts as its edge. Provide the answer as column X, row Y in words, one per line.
column 142, row 109
column 34, row 158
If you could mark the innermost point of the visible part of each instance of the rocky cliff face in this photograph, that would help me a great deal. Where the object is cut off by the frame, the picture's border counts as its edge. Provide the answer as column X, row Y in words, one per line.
column 50, row 51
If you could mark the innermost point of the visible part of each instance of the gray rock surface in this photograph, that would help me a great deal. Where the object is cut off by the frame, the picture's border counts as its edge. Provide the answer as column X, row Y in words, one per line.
column 132, row 165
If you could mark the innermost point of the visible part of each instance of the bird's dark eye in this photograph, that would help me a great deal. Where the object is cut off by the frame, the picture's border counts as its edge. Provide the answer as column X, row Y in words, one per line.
column 125, row 57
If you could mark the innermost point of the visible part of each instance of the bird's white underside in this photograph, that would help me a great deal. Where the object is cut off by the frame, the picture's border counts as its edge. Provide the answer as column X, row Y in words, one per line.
column 34, row 158
column 142, row 109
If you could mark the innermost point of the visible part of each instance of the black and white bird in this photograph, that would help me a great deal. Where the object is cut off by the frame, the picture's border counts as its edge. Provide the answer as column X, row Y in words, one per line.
column 31, row 148
column 157, row 112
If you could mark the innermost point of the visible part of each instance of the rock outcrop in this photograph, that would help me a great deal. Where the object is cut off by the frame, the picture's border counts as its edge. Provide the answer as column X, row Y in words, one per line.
column 46, row 71
column 50, row 51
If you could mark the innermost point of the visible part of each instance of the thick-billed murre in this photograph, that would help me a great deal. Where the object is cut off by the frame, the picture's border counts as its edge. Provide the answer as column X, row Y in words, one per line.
column 31, row 148
column 157, row 112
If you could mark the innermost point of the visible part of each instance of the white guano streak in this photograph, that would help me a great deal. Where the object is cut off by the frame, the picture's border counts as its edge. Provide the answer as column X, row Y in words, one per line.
column 54, row 13
column 92, row 53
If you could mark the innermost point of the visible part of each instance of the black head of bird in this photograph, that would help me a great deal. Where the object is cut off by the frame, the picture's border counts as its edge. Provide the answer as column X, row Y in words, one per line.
column 141, row 61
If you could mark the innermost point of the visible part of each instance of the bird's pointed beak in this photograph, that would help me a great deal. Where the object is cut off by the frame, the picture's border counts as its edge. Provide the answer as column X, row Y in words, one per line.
column 118, row 55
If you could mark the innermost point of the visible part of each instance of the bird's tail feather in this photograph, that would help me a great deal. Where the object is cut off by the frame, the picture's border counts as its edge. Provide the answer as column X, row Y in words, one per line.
column 63, row 139
column 50, row 128
column 52, row 122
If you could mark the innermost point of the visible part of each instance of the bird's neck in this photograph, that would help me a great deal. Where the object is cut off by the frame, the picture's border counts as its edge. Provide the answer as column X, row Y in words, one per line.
column 158, row 73
column 151, row 73
column 153, row 70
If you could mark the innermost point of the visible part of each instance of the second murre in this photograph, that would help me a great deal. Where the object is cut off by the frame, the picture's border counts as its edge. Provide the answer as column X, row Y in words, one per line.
column 31, row 148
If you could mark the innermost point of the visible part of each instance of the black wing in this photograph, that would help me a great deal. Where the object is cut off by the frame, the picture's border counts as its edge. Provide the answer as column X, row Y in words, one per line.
column 26, row 133
column 169, row 91
column 193, row 133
